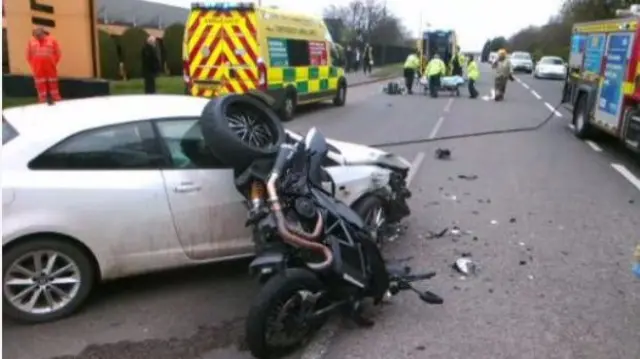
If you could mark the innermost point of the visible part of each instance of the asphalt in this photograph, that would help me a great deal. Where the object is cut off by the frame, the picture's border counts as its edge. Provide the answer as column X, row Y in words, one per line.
column 550, row 222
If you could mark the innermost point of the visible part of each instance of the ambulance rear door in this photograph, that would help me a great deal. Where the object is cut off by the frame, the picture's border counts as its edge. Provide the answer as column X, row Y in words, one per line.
column 222, row 49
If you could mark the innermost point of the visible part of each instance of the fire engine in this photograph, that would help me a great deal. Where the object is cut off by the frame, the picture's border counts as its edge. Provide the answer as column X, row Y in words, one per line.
column 602, row 88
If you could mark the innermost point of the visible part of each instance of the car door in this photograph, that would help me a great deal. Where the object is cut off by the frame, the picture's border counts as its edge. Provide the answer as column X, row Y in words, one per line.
column 104, row 187
column 208, row 212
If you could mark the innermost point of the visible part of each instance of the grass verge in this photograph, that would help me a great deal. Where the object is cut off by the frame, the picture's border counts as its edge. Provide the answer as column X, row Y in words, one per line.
column 175, row 85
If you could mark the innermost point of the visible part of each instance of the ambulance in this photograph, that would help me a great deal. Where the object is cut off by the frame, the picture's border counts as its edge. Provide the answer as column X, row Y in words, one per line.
column 285, row 59
column 441, row 42
column 602, row 88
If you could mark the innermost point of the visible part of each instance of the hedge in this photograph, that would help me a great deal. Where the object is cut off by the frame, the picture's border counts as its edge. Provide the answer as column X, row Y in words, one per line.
column 109, row 61
column 132, row 42
column 173, row 37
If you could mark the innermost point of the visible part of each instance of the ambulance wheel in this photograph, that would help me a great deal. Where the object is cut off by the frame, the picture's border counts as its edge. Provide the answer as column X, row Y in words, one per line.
column 341, row 95
column 288, row 110
column 581, row 126
column 238, row 129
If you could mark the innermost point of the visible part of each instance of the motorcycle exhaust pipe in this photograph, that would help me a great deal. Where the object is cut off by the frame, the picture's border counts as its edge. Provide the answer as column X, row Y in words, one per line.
column 296, row 237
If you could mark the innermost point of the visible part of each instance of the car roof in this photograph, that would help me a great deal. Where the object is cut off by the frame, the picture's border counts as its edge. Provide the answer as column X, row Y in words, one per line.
column 551, row 58
column 70, row 116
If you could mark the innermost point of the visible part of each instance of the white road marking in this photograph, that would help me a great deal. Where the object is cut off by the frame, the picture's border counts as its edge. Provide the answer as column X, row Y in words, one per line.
column 415, row 166
column 493, row 94
column 551, row 108
column 518, row 79
column 571, row 126
column 525, row 85
column 436, row 128
column 635, row 181
column 447, row 107
column 594, row 146
column 534, row 93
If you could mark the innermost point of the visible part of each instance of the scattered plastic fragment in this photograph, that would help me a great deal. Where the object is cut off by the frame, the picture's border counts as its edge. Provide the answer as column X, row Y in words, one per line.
column 468, row 177
column 530, row 277
column 493, row 221
column 465, row 266
column 443, row 153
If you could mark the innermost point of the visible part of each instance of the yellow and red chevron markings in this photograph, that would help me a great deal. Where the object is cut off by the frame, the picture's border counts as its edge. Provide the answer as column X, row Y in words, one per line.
column 222, row 33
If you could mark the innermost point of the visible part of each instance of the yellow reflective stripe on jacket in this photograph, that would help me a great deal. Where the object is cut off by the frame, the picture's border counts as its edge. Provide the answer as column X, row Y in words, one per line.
column 412, row 62
column 436, row 67
column 472, row 70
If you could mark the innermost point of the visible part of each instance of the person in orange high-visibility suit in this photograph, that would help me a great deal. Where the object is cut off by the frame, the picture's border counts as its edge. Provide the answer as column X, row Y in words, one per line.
column 43, row 54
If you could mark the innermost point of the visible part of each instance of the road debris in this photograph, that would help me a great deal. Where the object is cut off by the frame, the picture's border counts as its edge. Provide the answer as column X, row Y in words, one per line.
column 494, row 222
column 464, row 265
column 468, row 177
column 433, row 235
column 443, row 153
column 512, row 220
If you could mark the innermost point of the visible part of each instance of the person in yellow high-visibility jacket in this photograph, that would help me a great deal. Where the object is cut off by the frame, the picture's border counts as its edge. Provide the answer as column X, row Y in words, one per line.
column 411, row 68
column 434, row 71
column 473, row 74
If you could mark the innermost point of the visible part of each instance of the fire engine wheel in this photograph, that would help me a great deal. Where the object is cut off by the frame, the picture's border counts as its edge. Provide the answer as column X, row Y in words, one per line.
column 581, row 126
column 239, row 128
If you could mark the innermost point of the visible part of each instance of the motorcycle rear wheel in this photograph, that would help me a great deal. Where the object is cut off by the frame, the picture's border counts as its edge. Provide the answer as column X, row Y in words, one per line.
column 282, row 294
column 239, row 129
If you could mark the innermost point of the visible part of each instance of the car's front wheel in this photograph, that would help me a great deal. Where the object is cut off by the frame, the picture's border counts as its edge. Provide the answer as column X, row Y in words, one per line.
column 45, row 279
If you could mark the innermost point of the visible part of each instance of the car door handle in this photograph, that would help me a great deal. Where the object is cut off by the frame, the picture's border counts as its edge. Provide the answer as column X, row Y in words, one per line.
column 186, row 188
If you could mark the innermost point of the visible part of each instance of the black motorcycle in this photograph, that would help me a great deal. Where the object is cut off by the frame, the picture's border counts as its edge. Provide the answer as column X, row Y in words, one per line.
column 315, row 255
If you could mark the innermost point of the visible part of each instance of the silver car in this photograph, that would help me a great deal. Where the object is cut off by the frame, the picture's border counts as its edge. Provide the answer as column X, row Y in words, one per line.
column 521, row 61
column 550, row 67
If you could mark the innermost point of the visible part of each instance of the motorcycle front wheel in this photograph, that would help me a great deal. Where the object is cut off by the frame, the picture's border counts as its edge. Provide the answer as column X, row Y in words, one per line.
column 280, row 318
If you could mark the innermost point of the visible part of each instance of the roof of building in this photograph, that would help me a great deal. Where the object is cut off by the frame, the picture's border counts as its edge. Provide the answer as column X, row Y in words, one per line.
column 140, row 13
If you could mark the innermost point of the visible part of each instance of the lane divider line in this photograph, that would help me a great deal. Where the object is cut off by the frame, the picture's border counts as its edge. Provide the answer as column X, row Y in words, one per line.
column 536, row 95
column 436, row 128
column 622, row 169
column 594, row 146
column 447, row 107
column 551, row 108
column 525, row 85
column 415, row 166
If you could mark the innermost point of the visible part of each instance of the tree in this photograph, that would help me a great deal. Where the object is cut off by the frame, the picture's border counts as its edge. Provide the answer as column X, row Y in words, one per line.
column 132, row 42
column 365, row 21
column 554, row 38
column 109, row 62
column 486, row 50
column 498, row 43
column 173, row 37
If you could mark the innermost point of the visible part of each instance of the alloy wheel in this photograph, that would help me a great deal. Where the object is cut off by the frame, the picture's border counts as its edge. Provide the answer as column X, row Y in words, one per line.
column 250, row 129
column 41, row 282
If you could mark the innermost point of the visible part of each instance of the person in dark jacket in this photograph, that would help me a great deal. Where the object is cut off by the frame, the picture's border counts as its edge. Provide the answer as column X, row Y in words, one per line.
column 150, row 65
column 367, row 59
column 348, row 54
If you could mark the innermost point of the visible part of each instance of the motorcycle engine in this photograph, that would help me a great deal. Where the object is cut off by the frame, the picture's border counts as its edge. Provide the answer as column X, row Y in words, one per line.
column 305, row 208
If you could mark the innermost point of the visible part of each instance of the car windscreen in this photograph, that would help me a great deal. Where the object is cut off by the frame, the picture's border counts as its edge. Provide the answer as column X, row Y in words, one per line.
column 551, row 61
column 292, row 140
column 8, row 132
column 521, row 56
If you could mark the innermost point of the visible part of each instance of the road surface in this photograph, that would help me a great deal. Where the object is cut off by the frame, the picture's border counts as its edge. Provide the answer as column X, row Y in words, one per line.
column 550, row 220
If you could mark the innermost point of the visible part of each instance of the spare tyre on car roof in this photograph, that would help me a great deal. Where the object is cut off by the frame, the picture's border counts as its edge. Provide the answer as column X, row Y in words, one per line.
column 239, row 129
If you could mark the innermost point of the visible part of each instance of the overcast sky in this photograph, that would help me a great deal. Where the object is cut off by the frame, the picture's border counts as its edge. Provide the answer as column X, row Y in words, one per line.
column 474, row 20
